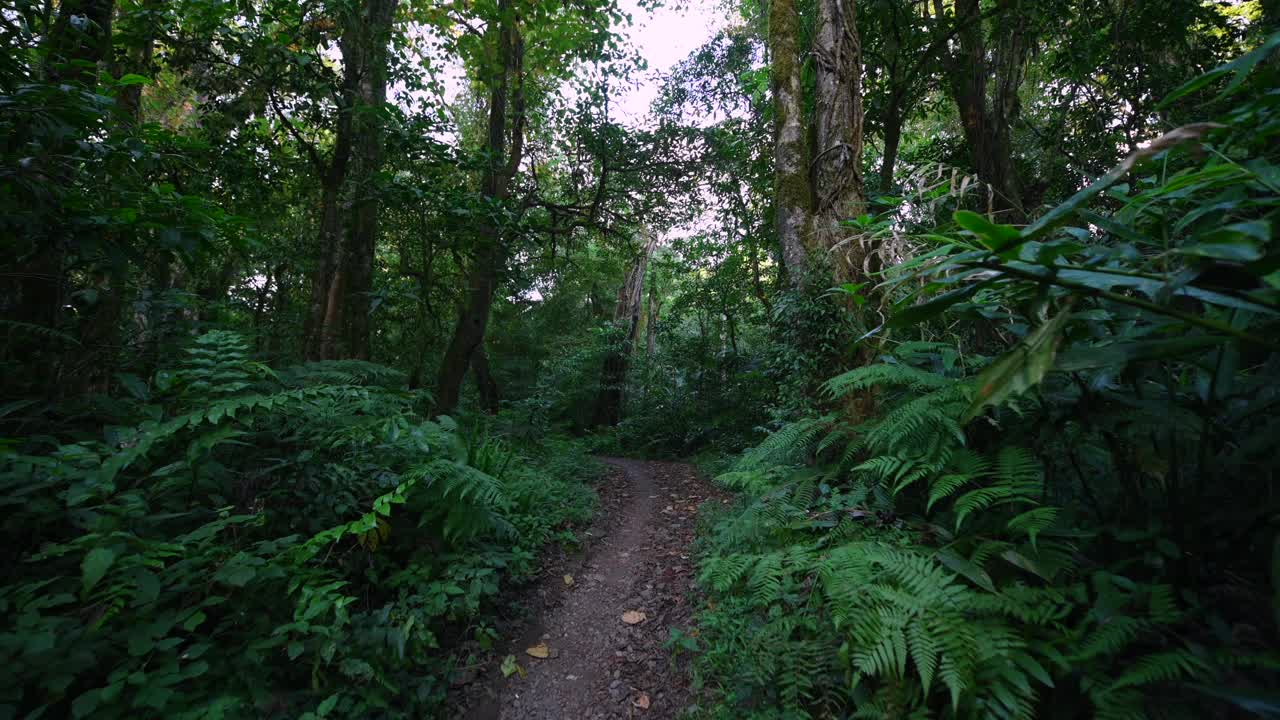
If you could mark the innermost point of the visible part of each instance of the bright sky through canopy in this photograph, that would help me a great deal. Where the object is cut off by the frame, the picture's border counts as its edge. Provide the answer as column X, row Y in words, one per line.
column 663, row 38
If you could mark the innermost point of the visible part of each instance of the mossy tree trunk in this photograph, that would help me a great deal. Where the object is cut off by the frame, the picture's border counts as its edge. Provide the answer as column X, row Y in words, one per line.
column 792, row 192
column 626, row 325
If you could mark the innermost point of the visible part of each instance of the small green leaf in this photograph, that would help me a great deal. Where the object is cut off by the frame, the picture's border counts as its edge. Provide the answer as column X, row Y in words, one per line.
column 510, row 667
column 194, row 621
column 95, row 565
column 996, row 237
column 86, row 703
column 134, row 79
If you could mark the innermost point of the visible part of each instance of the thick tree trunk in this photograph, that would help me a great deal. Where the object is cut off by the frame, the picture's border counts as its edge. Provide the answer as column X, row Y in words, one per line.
column 626, row 324
column 326, row 284
column 988, row 123
column 489, row 261
column 791, row 190
column 368, row 53
column 77, row 44
column 37, row 292
column 837, row 162
column 338, row 324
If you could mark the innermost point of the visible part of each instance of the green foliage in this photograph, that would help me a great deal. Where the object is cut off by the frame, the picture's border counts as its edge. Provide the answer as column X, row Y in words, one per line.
column 1068, row 529
column 262, row 543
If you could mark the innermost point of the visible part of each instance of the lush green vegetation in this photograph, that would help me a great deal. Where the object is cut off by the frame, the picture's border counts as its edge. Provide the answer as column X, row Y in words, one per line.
column 973, row 303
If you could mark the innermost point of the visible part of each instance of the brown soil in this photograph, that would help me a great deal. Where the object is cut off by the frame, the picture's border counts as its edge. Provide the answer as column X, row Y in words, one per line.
column 636, row 557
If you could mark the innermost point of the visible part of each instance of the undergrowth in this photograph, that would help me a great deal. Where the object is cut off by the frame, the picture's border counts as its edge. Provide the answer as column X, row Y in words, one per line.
column 251, row 543
column 1084, row 525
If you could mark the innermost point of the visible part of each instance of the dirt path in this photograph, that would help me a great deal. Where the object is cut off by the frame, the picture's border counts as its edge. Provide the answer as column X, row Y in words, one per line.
column 638, row 560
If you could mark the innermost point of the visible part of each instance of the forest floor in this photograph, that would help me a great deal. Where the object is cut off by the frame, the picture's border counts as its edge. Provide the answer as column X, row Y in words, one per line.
column 590, row 634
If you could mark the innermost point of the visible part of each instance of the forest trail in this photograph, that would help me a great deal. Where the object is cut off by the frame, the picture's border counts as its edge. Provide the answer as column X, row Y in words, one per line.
column 637, row 559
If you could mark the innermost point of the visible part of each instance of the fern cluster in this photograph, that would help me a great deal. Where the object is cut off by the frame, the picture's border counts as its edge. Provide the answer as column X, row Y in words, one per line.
column 303, row 535
column 902, row 573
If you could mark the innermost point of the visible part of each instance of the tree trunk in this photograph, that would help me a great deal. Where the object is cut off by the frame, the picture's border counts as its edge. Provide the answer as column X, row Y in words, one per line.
column 483, row 277
column 36, row 291
column 893, row 121
column 791, row 189
column 338, row 324
column 326, row 287
column 367, row 50
column 139, row 32
column 988, row 124
column 837, row 162
column 651, row 325
column 485, row 382
column 626, row 323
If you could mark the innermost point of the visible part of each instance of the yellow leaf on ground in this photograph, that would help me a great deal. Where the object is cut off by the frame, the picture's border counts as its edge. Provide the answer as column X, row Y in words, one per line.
column 631, row 617
column 642, row 702
column 539, row 651
column 568, row 579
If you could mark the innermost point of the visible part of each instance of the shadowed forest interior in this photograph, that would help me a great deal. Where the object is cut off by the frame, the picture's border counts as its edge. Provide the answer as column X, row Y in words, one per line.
column 317, row 315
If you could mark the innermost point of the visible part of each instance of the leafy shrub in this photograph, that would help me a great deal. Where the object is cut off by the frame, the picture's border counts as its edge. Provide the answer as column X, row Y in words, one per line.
column 291, row 544
column 1082, row 526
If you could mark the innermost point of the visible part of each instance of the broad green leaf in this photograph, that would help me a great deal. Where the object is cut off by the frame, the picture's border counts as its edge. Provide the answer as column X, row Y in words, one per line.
column 1089, row 357
column 1240, row 67
column 1017, row 559
column 1240, row 242
column 95, row 565
column 913, row 314
column 966, row 568
column 994, row 236
column 1021, row 369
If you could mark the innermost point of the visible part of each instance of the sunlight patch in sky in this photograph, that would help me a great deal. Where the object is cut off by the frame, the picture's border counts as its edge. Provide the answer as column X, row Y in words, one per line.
column 663, row 38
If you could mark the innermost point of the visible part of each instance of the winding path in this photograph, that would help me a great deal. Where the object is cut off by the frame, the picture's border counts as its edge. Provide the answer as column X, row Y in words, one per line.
column 637, row 561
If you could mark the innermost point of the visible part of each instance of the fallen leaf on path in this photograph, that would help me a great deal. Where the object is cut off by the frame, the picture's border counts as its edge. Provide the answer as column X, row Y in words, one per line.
column 568, row 580
column 539, row 651
column 642, row 702
column 631, row 617
column 511, row 667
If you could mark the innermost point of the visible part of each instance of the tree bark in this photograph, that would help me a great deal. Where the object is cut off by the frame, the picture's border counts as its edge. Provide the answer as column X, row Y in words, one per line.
column 338, row 324
column 487, row 386
column 893, row 120
column 651, row 325
column 626, row 324
column 483, row 277
column 140, row 33
column 368, row 56
column 987, row 121
column 837, row 162
column 791, row 190
column 77, row 44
